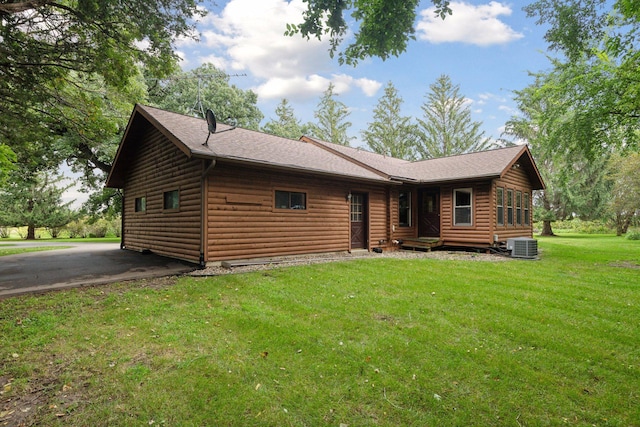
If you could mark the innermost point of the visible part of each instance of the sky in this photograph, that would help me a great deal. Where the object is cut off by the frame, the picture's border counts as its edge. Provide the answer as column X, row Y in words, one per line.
column 487, row 48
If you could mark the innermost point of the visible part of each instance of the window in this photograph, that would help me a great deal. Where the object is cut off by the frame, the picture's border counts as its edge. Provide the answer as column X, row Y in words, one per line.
column 404, row 209
column 357, row 208
column 141, row 204
column 291, row 200
column 510, row 207
column 171, row 200
column 527, row 217
column 519, row 207
column 500, row 206
column 462, row 202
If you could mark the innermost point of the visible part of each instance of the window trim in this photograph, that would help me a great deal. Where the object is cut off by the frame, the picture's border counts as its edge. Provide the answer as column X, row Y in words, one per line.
column 469, row 207
column 500, row 207
column 164, row 200
column 519, row 208
column 527, row 208
column 290, row 208
column 140, row 208
column 408, row 208
column 510, row 207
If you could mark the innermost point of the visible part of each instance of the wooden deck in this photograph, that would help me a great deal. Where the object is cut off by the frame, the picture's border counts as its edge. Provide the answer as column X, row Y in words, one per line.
column 421, row 243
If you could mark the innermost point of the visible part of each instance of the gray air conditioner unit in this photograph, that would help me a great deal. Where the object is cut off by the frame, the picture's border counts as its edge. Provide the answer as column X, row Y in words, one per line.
column 523, row 247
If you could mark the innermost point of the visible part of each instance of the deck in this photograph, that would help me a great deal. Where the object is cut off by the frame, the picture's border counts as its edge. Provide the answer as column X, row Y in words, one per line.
column 421, row 243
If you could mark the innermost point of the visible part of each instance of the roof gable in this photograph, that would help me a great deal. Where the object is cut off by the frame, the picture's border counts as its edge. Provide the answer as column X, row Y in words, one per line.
column 237, row 145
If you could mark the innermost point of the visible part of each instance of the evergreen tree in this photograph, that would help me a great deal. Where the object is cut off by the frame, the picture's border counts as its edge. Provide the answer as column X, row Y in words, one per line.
column 446, row 127
column 331, row 117
column 286, row 124
column 35, row 201
column 391, row 133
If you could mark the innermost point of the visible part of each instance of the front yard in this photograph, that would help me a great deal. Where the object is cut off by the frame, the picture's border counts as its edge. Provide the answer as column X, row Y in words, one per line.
column 367, row 342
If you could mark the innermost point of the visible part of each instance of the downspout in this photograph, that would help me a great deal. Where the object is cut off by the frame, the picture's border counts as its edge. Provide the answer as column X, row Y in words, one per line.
column 203, row 209
column 122, row 221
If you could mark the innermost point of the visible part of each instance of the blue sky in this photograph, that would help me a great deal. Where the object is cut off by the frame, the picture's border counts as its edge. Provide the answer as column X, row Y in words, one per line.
column 485, row 47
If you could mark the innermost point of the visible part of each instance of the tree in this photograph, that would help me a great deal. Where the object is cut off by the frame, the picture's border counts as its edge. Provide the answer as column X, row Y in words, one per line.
column 446, row 127
column 624, row 171
column 384, row 26
column 194, row 91
column 286, row 124
column 34, row 201
column 575, row 184
column 331, row 116
column 390, row 133
column 67, row 67
column 7, row 157
column 596, row 80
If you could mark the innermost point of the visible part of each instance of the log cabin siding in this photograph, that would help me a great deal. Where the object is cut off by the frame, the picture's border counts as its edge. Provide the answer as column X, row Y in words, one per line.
column 515, row 179
column 403, row 232
column 242, row 221
column 476, row 234
column 158, row 167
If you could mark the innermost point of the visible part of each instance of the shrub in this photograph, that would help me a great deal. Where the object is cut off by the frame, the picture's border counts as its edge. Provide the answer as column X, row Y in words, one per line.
column 77, row 229
column 100, row 228
column 5, row 232
column 633, row 235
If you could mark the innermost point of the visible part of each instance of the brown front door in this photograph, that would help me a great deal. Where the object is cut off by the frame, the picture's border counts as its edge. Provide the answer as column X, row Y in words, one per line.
column 358, row 221
column 429, row 213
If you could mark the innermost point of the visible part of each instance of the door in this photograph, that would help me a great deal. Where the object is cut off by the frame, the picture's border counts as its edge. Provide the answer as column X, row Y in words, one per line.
column 358, row 216
column 429, row 213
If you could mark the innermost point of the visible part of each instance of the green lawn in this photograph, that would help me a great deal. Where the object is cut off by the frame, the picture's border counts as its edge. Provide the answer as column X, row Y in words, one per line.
column 8, row 249
column 369, row 342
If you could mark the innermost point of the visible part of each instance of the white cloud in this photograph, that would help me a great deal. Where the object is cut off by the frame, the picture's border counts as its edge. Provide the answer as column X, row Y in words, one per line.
column 248, row 35
column 478, row 25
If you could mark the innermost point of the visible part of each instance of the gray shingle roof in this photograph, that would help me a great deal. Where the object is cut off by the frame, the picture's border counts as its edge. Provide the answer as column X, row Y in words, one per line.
column 311, row 155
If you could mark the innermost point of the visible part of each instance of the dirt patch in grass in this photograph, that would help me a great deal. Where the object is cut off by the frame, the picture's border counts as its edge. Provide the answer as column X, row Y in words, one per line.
column 39, row 397
column 626, row 264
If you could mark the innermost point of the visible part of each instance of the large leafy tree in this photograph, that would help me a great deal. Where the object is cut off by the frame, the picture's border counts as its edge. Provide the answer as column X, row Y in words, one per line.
column 195, row 91
column 66, row 66
column 625, row 196
column 575, row 185
column 595, row 80
column 286, row 124
column 384, row 27
column 331, row 116
column 446, row 127
column 391, row 133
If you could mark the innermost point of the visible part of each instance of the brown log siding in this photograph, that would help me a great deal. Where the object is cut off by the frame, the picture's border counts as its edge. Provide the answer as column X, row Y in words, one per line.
column 479, row 233
column 516, row 180
column 158, row 167
column 243, row 223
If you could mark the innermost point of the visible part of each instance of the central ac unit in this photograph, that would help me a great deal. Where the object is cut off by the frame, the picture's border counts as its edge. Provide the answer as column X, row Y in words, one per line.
column 523, row 247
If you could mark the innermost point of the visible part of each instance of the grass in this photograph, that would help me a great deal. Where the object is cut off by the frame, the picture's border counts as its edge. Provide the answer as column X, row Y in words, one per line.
column 368, row 342
column 9, row 250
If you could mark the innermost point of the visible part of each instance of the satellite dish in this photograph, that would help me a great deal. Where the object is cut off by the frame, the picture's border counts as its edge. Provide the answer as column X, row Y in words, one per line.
column 211, row 121
column 211, row 124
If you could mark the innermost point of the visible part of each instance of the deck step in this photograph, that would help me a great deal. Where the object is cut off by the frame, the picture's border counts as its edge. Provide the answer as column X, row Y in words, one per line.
column 421, row 243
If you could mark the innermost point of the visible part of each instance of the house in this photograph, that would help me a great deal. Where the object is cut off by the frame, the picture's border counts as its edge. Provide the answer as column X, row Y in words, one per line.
column 238, row 194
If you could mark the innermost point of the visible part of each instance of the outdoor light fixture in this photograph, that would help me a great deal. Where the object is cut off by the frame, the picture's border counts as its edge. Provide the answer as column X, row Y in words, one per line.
column 348, row 197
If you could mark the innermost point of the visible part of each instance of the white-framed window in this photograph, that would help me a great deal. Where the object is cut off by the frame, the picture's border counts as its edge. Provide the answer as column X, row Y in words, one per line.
column 404, row 208
column 527, row 215
column 463, row 206
column 290, row 200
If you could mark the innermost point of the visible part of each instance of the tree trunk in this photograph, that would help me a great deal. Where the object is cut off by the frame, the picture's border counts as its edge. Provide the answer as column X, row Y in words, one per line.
column 546, row 228
column 31, row 232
